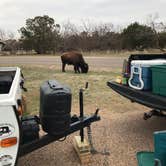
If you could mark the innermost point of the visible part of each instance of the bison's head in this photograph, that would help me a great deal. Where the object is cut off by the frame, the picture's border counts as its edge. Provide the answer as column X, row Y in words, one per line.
column 84, row 68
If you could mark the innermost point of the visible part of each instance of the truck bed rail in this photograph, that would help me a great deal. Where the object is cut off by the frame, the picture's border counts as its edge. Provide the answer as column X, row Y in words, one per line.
column 142, row 97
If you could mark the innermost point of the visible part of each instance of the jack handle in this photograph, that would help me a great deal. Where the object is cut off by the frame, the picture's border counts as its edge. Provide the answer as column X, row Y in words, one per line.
column 97, row 111
column 81, row 102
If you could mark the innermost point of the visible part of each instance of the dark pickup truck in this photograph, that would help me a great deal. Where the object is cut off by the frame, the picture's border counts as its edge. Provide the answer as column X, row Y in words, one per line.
column 147, row 98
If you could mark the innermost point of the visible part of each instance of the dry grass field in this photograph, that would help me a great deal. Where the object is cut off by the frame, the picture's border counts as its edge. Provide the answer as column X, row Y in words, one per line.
column 121, row 53
column 97, row 95
column 109, row 53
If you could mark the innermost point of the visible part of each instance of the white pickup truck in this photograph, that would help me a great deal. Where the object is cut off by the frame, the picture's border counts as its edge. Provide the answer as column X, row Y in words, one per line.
column 10, row 107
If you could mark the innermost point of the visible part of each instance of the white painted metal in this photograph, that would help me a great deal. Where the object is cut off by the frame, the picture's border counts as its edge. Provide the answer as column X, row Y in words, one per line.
column 148, row 63
column 15, row 91
column 8, row 117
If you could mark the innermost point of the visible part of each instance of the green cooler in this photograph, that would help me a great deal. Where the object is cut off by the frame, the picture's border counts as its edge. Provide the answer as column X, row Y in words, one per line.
column 159, row 80
column 158, row 157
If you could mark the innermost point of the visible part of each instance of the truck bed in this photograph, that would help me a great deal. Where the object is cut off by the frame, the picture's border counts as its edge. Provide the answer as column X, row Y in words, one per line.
column 142, row 97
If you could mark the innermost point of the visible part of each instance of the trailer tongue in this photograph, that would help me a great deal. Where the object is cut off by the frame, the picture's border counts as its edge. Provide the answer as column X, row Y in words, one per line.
column 46, row 139
column 18, row 135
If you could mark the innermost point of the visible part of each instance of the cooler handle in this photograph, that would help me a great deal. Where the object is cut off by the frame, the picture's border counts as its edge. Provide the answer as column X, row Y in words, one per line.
column 54, row 85
column 136, row 68
column 139, row 72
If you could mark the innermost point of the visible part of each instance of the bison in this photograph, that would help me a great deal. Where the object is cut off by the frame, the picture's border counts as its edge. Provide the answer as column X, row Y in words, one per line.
column 76, row 59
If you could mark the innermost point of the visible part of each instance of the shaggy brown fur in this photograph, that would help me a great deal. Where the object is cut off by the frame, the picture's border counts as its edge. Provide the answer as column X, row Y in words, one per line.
column 76, row 59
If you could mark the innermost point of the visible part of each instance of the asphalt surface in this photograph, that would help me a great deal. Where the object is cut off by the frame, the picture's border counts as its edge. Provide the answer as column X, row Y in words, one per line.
column 105, row 62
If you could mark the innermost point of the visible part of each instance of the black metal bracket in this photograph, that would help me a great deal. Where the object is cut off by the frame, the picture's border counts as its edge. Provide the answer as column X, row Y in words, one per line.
column 146, row 98
column 153, row 112
column 81, row 102
column 81, row 113
column 46, row 139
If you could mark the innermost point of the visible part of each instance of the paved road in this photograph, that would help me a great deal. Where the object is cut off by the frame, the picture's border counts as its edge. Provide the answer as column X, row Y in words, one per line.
column 106, row 62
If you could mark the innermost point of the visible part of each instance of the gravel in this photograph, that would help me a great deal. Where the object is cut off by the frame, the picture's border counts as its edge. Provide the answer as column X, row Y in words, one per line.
column 121, row 134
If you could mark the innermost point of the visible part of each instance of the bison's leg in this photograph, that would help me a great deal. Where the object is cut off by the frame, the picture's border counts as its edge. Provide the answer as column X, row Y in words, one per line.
column 75, row 68
column 78, row 68
column 63, row 67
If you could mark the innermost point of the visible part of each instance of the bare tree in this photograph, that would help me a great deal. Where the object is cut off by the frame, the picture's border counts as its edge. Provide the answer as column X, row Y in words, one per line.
column 69, row 33
column 91, row 27
column 87, row 26
column 69, row 28
column 2, row 35
column 152, row 21
column 10, row 35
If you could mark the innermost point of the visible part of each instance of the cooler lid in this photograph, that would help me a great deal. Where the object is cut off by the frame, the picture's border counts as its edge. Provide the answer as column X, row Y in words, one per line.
column 148, row 63
column 159, row 67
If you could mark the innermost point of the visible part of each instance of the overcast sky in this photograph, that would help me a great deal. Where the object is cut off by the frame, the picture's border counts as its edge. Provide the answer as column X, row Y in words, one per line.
column 13, row 13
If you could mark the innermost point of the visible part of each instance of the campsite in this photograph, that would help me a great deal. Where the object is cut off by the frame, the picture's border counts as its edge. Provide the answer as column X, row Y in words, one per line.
column 82, row 83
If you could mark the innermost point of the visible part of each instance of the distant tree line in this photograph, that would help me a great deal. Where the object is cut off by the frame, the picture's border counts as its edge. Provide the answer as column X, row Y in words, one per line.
column 42, row 35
